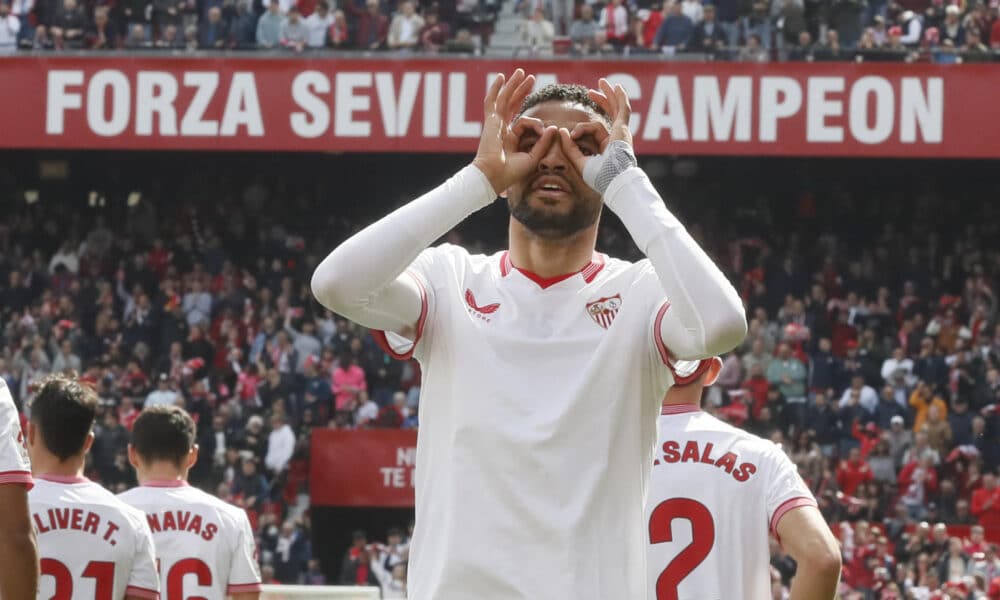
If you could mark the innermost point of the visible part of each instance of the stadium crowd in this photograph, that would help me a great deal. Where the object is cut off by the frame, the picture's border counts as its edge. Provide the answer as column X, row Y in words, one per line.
column 942, row 31
column 872, row 357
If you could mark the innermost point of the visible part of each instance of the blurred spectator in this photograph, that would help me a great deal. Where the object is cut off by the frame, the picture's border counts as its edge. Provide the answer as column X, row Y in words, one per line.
column 758, row 24
column 708, row 35
column 938, row 431
column 852, row 472
column 213, row 34
column 163, row 395
column 917, row 482
column 951, row 29
column 404, row 32
column 250, row 488
column 318, row 24
column 785, row 371
column 169, row 38
column 137, row 38
column 615, row 23
column 791, row 20
column 139, row 12
column 294, row 36
column 355, row 569
column 583, row 31
column 10, row 26
column 921, row 400
column 68, row 25
column 911, row 27
column 243, row 27
column 676, row 29
column 372, row 27
column 280, row 445
column 986, row 502
column 920, row 450
column 348, row 380
column 537, row 33
column 268, row 36
column 804, row 51
column 435, row 33
column 339, row 34
column 887, row 408
column 867, row 398
column 292, row 553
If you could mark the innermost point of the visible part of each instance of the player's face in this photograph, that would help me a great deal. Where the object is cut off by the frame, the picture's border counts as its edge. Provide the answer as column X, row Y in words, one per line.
column 535, row 201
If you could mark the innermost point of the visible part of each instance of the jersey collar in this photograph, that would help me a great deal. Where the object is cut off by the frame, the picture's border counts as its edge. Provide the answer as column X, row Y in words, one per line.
column 165, row 483
column 679, row 409
column 62, row 478
column 589, row 272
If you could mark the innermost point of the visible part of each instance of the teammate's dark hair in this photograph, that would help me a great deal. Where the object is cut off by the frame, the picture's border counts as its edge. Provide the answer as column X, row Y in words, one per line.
column 564, row 92
column 163, row 433
column 63, row 412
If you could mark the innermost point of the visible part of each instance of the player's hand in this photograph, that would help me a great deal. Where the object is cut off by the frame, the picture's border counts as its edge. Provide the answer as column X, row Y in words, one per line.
column 498, row 156
column 615, row 103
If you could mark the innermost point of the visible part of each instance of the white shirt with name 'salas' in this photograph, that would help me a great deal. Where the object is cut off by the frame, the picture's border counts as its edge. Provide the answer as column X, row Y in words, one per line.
column 14, row 467
column 204, row 546
column 92, row 545
column 538, row 408
column 715, row 493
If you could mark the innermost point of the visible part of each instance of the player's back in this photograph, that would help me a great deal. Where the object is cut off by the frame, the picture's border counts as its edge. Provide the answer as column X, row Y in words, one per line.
column 92, row 546
column 714, row 494
column 204, row 546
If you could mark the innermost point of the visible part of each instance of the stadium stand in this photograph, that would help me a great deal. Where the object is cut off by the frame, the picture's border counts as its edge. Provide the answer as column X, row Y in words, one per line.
column 873, row 354
column 728, row 30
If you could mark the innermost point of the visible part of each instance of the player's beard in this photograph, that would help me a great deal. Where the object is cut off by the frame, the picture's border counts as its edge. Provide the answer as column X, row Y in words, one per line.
column 550, row 224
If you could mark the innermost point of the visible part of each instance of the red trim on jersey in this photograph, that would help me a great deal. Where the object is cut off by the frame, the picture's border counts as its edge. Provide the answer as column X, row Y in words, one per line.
column 243, row 588
column 383, row 343
column 17, row 477
column 589, row 272
column 141, row 592
column 505, row 265
column 660, row 346
column 63, row 478
column 166, row 483
column 787, row 505
column 679, row 409
column 596, row 266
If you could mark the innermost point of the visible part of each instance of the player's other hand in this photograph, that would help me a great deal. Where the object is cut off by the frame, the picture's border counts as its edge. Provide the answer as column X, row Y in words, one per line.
column 614, row 101
column 501, row 157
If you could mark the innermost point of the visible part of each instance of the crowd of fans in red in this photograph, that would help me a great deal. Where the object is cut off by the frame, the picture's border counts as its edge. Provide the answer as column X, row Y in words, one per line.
column 872, row 357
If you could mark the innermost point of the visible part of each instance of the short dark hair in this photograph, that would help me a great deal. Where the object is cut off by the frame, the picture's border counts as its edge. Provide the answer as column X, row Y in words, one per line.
column 564, row 92
column 63, row 411
column 163, row 433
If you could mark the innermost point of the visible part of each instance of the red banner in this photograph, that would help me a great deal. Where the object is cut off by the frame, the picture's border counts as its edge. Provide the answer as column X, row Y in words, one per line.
column 363, row 468
column 432, row 105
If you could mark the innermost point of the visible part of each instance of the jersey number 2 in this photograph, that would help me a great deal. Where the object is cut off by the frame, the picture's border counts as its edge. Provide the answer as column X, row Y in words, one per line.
column 702, row 540
column 103, row 574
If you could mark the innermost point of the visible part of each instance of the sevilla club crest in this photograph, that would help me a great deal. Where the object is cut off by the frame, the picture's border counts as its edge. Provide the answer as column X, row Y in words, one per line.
column 603, row 311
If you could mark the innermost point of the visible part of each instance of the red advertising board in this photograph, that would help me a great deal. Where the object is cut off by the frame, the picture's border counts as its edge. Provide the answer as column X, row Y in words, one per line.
column 363, row 468
column 435, row 105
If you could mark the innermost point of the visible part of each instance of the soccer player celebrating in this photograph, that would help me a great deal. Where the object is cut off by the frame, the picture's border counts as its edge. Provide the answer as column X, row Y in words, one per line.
column 18, row 552
column 543, row 365
column 714, row 493
column 204, row 546
column 92, row 545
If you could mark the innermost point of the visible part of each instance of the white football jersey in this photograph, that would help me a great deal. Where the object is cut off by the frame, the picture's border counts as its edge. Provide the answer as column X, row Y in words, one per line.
column 714, row 495
column 537, row 423
column 14, row 467
column 92, row 545
column 204, row 546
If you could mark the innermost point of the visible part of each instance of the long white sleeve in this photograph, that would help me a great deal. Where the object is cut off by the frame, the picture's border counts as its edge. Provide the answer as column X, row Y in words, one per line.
column 706, row 316
column 362, row 279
